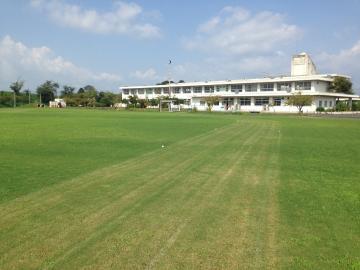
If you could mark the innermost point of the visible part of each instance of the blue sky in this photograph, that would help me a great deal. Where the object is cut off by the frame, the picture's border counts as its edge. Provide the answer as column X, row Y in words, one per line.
column 114, row 43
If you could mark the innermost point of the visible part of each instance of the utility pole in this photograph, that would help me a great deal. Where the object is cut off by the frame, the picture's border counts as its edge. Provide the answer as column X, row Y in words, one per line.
column 29, row 95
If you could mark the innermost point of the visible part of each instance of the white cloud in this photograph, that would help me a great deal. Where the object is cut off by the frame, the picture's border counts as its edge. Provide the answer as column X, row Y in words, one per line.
column 126, row 18
column 35, row 65
column 236, row 31
column 344, row 62
column 227, row 68
column 146, row 75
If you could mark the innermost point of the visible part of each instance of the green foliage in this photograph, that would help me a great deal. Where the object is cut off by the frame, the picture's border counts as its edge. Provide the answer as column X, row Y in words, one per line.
column 165, row 82
column 177, row 101
column 133, row 100
column 17, row 86
column 67, row 91
column 91, row 98
column 89, row 88
column 154, row 102
column 7, row 98
column 355, row 106
column 143, row 103
column 341, row 106
column 211, row 101
column 341, row 85
column 299, row 100
column 320, row 109
column 47, row 91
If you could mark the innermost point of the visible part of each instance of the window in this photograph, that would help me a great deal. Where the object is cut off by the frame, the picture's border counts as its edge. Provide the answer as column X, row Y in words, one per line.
column 250, row 87
column 261, row 101
column 325, row 103
column 330, row 103
column 125, row 91
column 158, row 91
column 236, row 88
column 221, row 88
column 277, row 101
column 267, row 87
column 141, row 91
column 133, row 91
column 303, row 85
column 245, row 101
column 209, row 89
column 165, row 90
column 320, row 103
column 149, row 91
column 187, row 90
column 284, row 86
column 177, row 90
column 202, row 103
column 198, row 89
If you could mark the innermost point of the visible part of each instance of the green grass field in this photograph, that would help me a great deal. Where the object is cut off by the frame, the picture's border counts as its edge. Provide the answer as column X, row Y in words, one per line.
column 91, row 189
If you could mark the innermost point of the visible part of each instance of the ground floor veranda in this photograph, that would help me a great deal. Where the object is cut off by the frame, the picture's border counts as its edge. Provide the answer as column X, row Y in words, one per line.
column 258, row 104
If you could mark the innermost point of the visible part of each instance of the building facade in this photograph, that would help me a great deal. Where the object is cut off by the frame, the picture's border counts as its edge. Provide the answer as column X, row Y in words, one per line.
column 252, row 95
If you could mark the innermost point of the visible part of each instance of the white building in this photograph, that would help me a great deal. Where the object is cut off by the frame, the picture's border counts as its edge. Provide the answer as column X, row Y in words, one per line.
column 57, row 103
column 262, row 94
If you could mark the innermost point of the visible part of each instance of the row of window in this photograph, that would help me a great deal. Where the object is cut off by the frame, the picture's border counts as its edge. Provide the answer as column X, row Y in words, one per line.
column 283, row 86
column 260, row 101
column 325, row 103
column 246, row 101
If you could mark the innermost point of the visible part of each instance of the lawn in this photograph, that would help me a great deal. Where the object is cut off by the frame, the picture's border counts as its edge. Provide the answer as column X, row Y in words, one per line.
column 92, row 189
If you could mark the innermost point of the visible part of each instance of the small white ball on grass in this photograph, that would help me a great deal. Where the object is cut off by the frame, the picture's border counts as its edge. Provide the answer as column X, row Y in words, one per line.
column 162, row 146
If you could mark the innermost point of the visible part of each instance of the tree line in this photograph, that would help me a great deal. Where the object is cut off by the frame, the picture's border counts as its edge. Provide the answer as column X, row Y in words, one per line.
column 87, row 96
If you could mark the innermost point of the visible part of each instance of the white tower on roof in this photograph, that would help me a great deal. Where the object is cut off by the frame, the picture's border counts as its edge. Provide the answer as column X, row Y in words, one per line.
column 302, row 65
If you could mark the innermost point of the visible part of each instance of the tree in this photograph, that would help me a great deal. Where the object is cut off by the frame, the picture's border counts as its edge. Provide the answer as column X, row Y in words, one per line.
column 89, row 88
column 341, row 85
column 181, row 81
column 106, row 99
column 81, row 90
column 47, row 91
column 133, row 100
column 299, row 101
column 211, row 101
column 16, row 88
column 154, row 102
column 67, row 91
column 164, row 82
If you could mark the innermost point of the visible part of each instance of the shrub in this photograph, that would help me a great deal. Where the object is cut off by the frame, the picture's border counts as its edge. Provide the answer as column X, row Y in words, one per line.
column 320, row 109
column 355, row 106
column 341, row 106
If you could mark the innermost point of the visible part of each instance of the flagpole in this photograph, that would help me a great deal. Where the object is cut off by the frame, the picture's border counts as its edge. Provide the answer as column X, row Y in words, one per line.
column 169, row 77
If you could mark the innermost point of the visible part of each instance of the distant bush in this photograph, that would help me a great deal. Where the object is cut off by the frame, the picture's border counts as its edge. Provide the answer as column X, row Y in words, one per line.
column 154, row 102
column 194, row 110
column 320, row 109
column 355, row 106
column 341, row 106
column 330, row 110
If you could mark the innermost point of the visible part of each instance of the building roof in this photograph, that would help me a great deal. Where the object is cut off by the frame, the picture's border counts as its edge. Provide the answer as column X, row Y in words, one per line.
column 319, row 77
